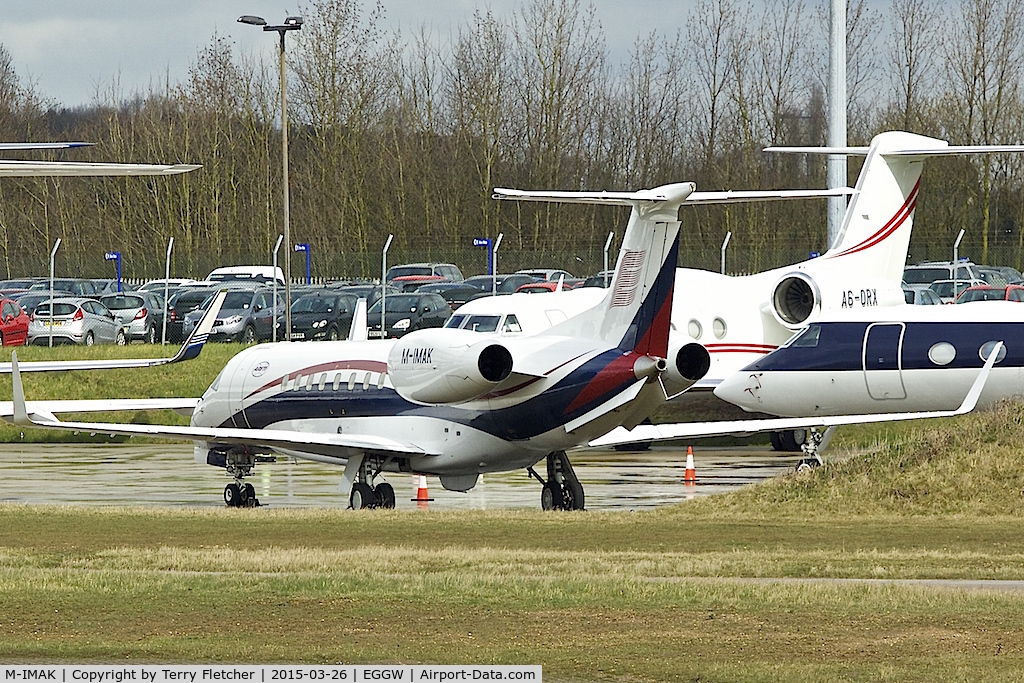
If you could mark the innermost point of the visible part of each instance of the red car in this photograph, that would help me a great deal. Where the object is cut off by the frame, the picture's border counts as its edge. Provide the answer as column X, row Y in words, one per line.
column 537, row 287
column 13, row 324
column 990, row 293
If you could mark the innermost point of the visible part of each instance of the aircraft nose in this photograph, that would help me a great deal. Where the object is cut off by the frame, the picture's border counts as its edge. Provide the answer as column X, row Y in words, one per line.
column 741, row 389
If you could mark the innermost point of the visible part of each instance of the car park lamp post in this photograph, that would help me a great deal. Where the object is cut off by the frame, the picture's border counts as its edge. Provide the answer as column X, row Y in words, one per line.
column 725, row 245
column 290, row 24
column 494, row 264
column 383, row 282
column 956, row 259
column 53, row 253
column 607, row 246
column 115, row 256
column 277, row 246
column 305, row 247
column 167, row 288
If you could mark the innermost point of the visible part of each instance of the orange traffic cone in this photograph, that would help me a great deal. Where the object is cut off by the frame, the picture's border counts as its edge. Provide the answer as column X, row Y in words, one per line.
column 422, row 495
column 690, row 477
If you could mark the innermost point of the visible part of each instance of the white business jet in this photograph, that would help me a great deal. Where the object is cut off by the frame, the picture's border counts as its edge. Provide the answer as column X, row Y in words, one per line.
column 740, row 319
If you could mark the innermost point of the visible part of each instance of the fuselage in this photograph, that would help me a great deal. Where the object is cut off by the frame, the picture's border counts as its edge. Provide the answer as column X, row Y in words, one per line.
column 905, row 358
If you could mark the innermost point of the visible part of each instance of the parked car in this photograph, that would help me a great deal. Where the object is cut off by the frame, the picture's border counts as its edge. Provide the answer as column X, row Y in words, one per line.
column 172, row 284
column 29, row 300
column 245, row 316
column 921, row 295
column 140, row 313
column 407, row 312
column 368, row 291
column 506, row 283
column 602, row 279
column 181, row 303
column 551, row 274
column 455, row 293
column 989, row 293
column 77, row 285
column 930, row 271
column 323, row 314
column 448, row 271
column 75, row 320
column 412, row 283
column 13, row 324
column 540, row 287
column 944, row 288
column 256, row 274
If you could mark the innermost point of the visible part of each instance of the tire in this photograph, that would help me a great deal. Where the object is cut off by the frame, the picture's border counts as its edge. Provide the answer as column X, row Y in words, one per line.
column 385, row 496
column 232, row 495
column 89, row 339
column 150, row 337
column 249, row 335
column 776, row 439
column 551, row 496
column 120, row 339
column 362, row 496
column 332, row 334
column 792, row 439
column 573, row 495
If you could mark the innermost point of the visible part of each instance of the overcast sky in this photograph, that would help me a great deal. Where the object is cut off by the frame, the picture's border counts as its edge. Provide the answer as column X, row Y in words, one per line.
column 69, row 48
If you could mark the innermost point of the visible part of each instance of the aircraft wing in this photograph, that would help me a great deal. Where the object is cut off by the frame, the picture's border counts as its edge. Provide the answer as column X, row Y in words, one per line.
column 68, row 168
column 35, row 414
column 681, row 430
column 603, row 198
column 189, row 350
column 26, row 146
column 737, row 197
column 944, row 150
column 182, row 406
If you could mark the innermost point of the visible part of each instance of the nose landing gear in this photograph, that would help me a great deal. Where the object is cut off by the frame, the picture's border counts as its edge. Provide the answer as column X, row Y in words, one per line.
column 562, row 490
column 238, row 494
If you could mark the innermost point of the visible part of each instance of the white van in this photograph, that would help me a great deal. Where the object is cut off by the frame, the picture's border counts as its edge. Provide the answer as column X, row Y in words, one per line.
column 247, row 274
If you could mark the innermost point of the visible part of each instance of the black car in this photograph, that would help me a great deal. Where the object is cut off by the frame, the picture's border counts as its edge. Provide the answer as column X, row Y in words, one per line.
column 323, row 314
column 455, row 293
column 506, row 284
column 407, row 312
column 183, row 302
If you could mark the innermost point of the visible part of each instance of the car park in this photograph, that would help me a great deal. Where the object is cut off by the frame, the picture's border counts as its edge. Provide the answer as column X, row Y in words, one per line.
column 411, row 283
column 254, row 274
column 541, row 287
column 989, row 293
column 930, row 271
column 366, row 290
column 322, row 314
column 407, row 312
column 13, row 324
column 140, row 313
column 245, row 315
column 74, row 320
column 602, row 279
column 455, row 293
column 552, row 274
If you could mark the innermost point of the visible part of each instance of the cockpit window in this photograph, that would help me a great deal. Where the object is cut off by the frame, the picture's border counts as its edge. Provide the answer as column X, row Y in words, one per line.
column 808, row 338
column 482, row 323
column 455, row 322
column 511, row 325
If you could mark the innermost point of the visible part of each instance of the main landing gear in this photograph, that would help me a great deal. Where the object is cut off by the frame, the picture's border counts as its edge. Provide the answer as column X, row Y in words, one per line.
column 365, row 494
column 238, row 494
column 562, row 490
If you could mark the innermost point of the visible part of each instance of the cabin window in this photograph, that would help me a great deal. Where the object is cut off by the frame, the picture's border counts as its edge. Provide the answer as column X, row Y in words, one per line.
column 298, row 383
column 719, row 327
column 323, row 381
column 366, row 382
column 352, row 381
column 694, row 329
column 337, row 380
column 986, row 350
column 483, row 323
column 380, row 381
column 942, row 353
column 309, row 382
column 284, row 383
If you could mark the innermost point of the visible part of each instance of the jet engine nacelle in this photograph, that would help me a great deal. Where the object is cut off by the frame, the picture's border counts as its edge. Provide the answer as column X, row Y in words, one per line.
column 433, row 367
column 687, row 365
column 799, row 298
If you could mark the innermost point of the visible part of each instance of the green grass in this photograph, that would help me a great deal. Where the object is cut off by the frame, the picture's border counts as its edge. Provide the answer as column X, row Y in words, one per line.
column 692, row 592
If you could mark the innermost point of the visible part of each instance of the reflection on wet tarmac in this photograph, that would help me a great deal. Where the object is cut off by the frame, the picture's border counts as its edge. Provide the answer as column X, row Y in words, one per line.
column 168, row 475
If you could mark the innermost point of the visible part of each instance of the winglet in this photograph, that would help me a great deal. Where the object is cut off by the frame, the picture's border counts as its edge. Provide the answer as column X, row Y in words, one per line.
column 20, row 412
column 971, row 399
column 194, row 344
column 357, row 328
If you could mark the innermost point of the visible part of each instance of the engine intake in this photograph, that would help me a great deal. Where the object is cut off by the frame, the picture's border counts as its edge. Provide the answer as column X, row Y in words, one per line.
column 690, row 363
column 795, row 299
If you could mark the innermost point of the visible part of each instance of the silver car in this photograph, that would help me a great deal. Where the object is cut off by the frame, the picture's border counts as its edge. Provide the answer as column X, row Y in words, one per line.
column 140, row 314
column 75, row 320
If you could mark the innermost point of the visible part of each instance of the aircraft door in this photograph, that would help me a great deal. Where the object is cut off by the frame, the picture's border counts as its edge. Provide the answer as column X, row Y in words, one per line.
column 882, row 361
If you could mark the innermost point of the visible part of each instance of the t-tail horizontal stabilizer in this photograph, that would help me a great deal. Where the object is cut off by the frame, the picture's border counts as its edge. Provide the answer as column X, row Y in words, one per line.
column 744, row 427
column 189, row 350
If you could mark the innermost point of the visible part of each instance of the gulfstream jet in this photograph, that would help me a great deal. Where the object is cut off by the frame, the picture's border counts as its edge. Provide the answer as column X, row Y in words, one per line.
column 449, row 402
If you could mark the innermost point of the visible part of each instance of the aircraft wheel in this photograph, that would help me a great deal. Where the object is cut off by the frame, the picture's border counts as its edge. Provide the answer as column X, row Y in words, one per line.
column 807, row 464
column 573, row 495
column 232, row 495
column 551, row 496
column 385, row 496
column 250, row 496
column 776, row 439
column 362, row 496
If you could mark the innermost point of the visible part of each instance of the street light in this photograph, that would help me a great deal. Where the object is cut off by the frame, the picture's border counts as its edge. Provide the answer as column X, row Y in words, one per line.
column 290, row 24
